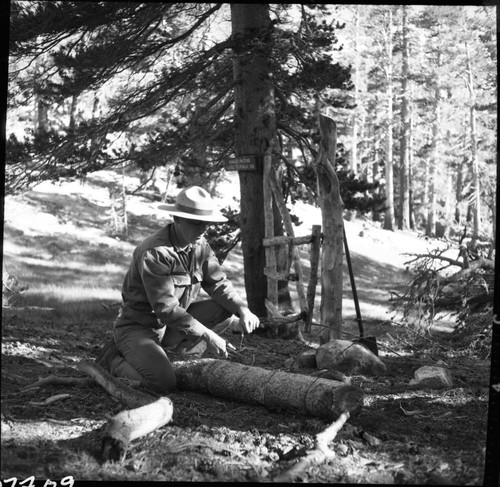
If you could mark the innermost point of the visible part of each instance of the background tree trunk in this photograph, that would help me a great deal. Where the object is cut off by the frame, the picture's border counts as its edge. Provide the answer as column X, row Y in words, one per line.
column 355, row 113
column 459, row 187
column 410, row 161
column 405, row 134
column 389, row 174
column 255, row 127
column 434, row 161
column 41, row 111
column 72, row 113
column 473, row 145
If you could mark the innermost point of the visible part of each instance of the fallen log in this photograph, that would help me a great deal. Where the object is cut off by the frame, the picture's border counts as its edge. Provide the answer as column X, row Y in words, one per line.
column 128, row 425
column 149, row 412
column 314, row 396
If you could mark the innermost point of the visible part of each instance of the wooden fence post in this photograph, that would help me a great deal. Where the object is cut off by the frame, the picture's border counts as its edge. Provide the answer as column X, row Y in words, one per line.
column 331, row 210
column 313, row 276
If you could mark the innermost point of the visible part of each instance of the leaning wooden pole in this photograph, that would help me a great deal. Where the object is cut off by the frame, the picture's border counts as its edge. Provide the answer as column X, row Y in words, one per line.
column 270, row 270
column 287, row 222
column 313, row 396
column 331, row 210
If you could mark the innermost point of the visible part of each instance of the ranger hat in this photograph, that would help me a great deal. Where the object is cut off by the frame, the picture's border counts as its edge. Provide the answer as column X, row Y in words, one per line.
column 195, row 203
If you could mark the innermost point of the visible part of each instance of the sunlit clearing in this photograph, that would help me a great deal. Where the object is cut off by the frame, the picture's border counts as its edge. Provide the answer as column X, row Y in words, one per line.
column 72, row 293
column 73, row 302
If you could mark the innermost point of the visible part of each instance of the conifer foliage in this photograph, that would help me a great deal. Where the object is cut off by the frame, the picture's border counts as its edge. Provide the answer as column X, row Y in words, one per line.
column 150, row 83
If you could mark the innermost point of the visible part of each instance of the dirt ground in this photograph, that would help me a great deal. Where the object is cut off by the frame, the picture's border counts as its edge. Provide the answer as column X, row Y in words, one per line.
column 401, row 436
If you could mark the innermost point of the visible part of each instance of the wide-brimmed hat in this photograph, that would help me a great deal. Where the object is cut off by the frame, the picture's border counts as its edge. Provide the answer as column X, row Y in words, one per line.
column 195, row 203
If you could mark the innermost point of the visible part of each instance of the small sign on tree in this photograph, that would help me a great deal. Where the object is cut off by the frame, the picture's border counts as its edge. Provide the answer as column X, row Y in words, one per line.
column 242, row 163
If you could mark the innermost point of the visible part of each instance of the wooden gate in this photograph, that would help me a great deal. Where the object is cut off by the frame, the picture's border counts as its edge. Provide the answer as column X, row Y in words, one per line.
column 332, row 249
column 272, row 191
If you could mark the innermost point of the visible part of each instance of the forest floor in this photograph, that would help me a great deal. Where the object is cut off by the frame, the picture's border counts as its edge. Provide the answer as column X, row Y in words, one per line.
column 57, row 241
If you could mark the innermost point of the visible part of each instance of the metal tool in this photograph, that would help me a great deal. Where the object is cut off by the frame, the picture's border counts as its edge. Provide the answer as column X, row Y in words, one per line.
column 371, row 341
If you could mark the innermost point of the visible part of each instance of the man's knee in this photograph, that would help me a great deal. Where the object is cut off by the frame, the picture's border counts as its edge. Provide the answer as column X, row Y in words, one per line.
column 163, row 382
column 209, row 312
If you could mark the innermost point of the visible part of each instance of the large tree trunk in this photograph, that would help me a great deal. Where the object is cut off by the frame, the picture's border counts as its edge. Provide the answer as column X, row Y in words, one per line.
column 322, row 398
column 405, row 133
column 255, row 127
column 389, row 175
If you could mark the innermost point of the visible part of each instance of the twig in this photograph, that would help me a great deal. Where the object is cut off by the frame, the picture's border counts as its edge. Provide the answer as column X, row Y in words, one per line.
column 434, row 256
column 124, row 393
column 320, row 453
column 58, row 380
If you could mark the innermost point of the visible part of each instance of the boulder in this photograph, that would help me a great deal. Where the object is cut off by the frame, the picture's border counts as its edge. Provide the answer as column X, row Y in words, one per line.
column 349, row 358
column 431, row 377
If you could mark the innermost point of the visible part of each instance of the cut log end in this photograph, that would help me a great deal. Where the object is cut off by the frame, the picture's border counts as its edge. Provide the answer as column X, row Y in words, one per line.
column 350, row 400
column 112, row 449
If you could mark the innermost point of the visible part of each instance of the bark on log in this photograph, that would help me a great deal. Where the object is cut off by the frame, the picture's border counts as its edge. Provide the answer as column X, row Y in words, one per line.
column 307, row 395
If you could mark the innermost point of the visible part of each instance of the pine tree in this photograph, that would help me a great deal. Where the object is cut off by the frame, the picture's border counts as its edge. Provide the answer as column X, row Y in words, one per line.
column 165, row 91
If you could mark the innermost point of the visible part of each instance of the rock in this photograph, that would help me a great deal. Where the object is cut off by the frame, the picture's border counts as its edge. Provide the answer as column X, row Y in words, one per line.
column 343, row 449
column 431, row 377
column 370, row 439
column 349, row 358
column 307, row 359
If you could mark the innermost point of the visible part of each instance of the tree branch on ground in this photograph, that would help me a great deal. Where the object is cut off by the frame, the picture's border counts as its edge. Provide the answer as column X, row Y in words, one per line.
column 319, row 453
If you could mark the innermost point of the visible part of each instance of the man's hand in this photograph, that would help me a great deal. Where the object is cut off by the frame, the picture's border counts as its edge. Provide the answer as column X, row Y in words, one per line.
column 248, row 321
column 215, row 343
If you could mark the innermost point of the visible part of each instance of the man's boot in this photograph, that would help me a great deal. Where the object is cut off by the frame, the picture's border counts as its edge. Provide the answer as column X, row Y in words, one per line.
column 109, row 351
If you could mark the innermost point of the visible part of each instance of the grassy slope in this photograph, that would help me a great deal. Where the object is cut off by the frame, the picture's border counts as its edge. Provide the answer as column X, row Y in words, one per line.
column 58, row 240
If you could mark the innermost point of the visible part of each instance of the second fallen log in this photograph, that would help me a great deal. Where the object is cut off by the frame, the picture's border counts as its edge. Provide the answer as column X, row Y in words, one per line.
column 147, row 412
column 323, row 398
